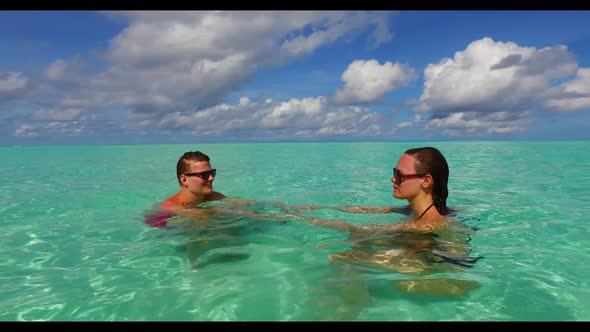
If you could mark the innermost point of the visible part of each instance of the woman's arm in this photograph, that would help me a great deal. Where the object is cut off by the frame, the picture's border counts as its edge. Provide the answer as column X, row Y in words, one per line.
column 242, row 202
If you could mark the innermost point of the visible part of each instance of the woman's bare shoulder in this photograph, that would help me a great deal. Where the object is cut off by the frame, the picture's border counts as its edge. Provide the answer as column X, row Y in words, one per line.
column 423, row 226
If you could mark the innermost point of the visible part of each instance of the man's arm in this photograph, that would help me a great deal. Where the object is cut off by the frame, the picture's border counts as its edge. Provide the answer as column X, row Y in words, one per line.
column 300, row 208
column 346, row 226
column 373, row 209
column 355, row 209
column 364, row 229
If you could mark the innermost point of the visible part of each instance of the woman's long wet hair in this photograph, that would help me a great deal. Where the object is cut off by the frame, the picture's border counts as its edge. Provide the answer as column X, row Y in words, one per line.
column 429, row 160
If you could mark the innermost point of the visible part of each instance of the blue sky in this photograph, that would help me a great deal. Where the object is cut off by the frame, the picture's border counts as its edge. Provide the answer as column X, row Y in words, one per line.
column 82, row 77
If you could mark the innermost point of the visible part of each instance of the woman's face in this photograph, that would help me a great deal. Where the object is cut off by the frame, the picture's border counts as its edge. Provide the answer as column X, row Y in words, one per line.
column 407, row 183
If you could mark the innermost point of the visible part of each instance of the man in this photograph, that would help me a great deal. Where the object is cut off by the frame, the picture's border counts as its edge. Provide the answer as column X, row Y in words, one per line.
column 195, row 177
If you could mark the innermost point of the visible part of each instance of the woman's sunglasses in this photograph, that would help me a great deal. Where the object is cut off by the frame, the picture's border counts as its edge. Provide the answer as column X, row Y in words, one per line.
column 399, row 177
column 203, row 175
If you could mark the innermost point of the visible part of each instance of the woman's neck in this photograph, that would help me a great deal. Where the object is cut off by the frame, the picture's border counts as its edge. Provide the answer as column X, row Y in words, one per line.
column 421, row 207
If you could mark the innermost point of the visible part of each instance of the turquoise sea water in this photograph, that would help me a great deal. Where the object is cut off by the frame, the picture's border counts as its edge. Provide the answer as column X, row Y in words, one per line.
column 74, row 247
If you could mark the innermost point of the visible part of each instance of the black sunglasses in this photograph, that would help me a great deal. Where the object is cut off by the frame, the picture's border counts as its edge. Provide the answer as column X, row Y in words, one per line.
column 203, row 175
column 399, row 177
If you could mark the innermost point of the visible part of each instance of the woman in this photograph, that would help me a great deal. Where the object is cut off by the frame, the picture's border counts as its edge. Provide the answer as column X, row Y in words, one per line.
column 420, row 243
column 420, row 177
column 424, row 243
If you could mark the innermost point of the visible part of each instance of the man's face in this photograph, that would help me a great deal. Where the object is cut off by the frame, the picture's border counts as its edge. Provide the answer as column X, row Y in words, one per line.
column 196, row 184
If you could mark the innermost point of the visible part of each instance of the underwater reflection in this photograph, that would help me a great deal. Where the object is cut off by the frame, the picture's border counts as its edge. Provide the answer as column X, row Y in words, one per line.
column 420, row 254
column 214, row 235
column 410, row 252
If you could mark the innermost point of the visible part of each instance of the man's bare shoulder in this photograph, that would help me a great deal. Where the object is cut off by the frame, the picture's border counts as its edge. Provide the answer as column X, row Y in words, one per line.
column 171, row 203
column 215, row 196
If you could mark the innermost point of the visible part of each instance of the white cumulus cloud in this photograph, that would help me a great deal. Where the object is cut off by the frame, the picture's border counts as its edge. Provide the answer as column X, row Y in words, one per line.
column 69, row 114
column 490, row 76
column 196, row 58
column 502, row 122
column 244, row 101
column 12, row 82
column 573, row 95
column 164, row 68
column 56, row 70
column 49, row 129
column 367, row 81
column 307, row 117
column 491, row 87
